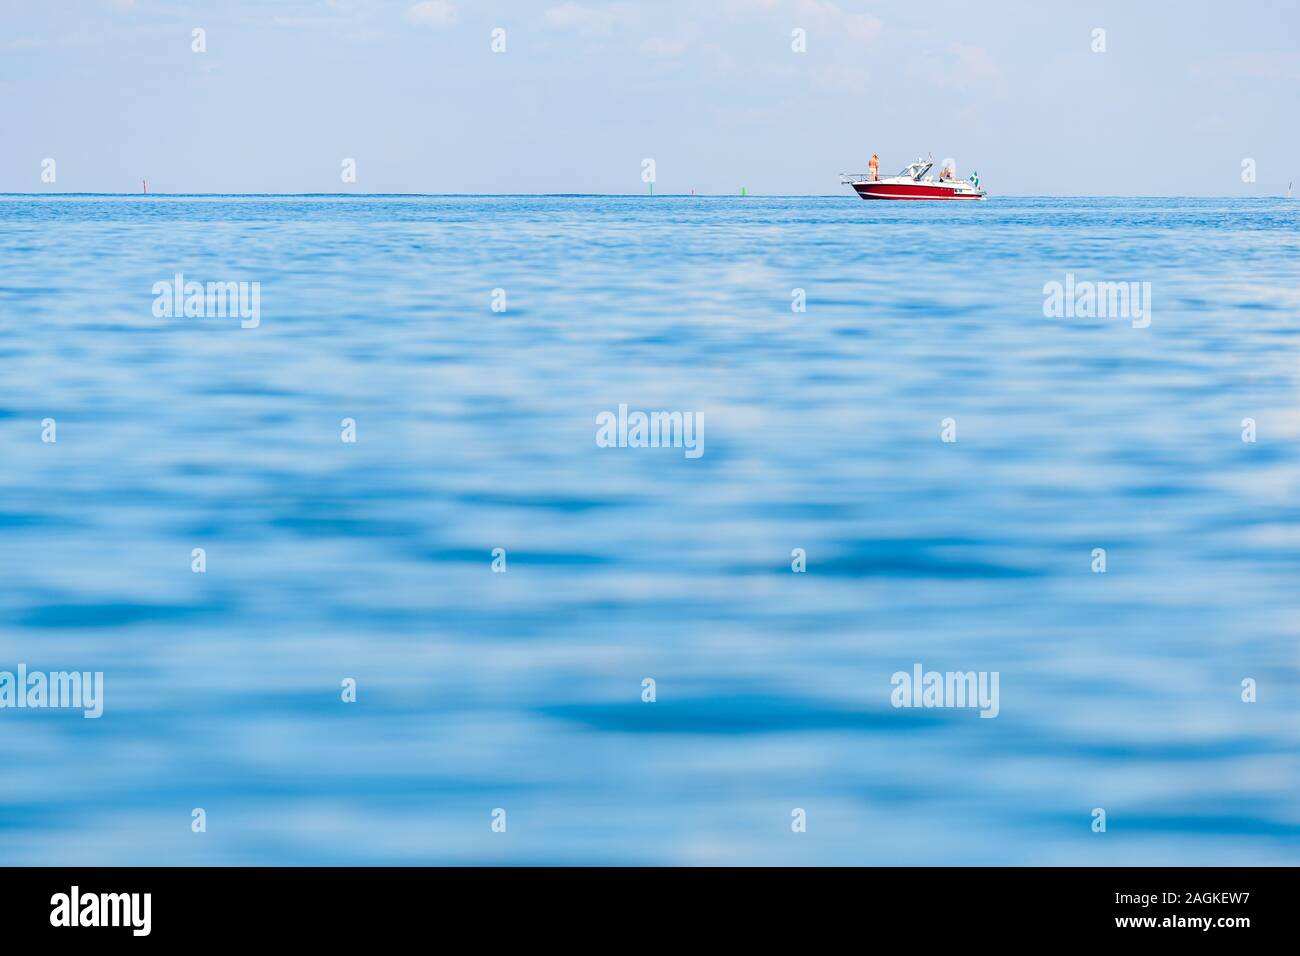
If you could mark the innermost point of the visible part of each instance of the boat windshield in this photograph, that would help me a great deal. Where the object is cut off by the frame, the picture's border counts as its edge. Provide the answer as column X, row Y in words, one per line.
column 915, row 170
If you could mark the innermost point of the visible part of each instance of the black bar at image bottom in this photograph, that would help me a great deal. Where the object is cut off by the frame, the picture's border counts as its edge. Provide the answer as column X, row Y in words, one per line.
column 1226, row 905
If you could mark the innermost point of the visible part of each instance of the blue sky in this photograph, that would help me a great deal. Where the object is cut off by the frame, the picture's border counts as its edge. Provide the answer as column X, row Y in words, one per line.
column 710, row 89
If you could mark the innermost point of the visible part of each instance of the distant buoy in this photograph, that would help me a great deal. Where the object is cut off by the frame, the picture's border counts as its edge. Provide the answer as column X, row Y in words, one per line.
column 145, row 186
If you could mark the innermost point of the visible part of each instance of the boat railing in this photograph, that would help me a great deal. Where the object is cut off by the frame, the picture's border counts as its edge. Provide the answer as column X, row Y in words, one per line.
column 854, row 177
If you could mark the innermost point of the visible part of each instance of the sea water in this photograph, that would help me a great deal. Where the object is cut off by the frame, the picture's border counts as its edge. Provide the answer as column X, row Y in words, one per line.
column 390, row 488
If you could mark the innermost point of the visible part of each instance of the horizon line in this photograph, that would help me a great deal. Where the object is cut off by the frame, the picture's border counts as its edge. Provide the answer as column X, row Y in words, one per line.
column 565, row 195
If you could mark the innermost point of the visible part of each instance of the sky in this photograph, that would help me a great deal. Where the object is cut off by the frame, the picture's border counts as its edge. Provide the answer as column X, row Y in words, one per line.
column 1185, row 99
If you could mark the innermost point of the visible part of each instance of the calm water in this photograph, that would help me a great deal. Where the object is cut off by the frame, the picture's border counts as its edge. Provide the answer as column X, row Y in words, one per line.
column 476, row 430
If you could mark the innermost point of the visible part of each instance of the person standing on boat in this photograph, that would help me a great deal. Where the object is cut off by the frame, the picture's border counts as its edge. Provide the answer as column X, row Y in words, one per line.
column 874, row 167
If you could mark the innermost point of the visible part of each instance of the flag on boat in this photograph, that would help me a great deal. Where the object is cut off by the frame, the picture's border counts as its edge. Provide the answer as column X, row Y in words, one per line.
column 975, row 180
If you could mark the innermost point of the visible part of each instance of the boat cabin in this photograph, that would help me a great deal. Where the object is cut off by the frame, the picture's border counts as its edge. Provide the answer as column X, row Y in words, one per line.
column 915, row 171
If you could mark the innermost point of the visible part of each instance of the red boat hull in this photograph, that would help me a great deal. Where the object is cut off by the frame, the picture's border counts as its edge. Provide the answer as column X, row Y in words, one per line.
column 910, row 191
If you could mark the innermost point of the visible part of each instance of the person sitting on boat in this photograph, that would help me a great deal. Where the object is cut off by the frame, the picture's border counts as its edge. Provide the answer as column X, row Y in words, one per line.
column 947, row 173
column 874, row 166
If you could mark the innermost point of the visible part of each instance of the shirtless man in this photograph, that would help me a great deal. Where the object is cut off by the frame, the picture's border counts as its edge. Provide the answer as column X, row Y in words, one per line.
column 874, row 167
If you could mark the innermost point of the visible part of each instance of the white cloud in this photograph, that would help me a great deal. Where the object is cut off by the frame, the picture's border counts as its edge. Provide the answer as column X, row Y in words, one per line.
column 842, row 80
column 737, row 7
column 433, row 13
column 975, row 67
column 1249, row 68
column 862, row 27
column 663, row 46
column 827, row 16
column 578, row 17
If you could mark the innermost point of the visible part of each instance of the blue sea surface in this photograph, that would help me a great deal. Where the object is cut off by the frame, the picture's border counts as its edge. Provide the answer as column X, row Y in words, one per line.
column 522, row 690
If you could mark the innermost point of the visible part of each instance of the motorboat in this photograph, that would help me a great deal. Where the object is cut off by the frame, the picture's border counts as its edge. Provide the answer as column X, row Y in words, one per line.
column 914, row 182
